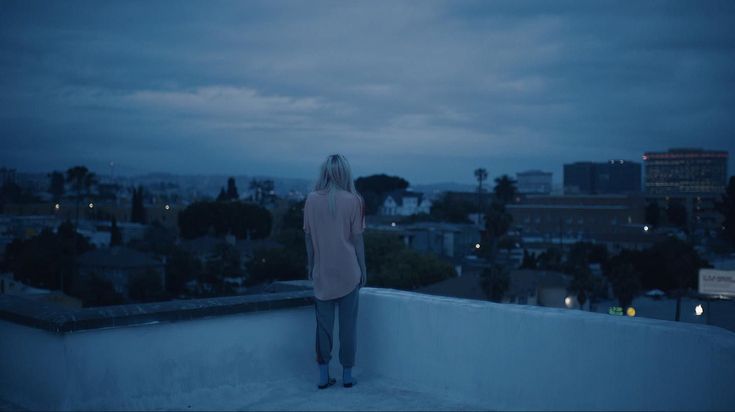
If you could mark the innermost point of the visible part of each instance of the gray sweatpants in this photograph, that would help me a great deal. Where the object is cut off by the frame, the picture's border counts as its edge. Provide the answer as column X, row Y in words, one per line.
column 347, row 328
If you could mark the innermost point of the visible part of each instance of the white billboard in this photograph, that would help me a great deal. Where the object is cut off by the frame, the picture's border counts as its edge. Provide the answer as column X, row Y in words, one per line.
column 717, row 282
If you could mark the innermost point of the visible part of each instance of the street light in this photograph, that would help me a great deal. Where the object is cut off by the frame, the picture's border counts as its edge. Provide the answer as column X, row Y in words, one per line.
column 645, row 228
column 568, row 301
column 698, row 310
column 57, row 206
column 477, row 245
column 393, row 224
column 167, row 207
column 91, row 205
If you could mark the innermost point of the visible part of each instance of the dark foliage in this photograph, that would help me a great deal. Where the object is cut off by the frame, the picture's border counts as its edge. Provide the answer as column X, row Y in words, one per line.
column 43, row 260
column 220, row 218
column 726, row 207
column 373, row 188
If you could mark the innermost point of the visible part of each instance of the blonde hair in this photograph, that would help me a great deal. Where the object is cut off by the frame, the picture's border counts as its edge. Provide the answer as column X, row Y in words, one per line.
column 335, row 174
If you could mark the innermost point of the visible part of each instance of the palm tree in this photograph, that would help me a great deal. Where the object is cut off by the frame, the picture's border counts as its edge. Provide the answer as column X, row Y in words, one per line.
column 81, row 180
column 505, row 189
column 481, row 176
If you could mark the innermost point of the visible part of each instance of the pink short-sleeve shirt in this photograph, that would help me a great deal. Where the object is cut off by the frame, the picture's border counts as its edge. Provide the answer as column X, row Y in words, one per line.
column 336, row 271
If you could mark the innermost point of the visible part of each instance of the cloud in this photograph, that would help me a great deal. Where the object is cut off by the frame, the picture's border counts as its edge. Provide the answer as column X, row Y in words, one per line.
column 397, row 85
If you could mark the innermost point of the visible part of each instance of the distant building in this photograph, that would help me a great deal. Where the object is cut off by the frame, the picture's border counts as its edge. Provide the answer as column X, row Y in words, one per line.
column 611, row 177
column 534, row 182
column 686, row 171
column 451, row 241
column 118, row 265
column 404, row 203
column 616, row 220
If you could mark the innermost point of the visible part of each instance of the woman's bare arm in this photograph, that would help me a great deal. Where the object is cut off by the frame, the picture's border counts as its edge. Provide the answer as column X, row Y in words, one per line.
column 309, row 255
column 360, row 251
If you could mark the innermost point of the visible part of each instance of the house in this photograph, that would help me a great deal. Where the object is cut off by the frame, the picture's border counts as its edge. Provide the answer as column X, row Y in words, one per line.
column 118, row 265
column 404, row 203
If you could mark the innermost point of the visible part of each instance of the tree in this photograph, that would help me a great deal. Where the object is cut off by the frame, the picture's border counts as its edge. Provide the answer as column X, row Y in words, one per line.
column 625, row 281
column 157, row 239
column 82, row 181
column 407, row 269
column 391, row 264
column 268, row 265
column 529, row 260
column 671, row 265
column 56, row 185
column 495, row 281
column 551, row 259
column 481, row 176
column 726, row 207
column 497, row 223
column 146, row 286
column 47, row 259
column 222, row 196
column 676, row 213
column 653, row 214
column 451, row 208
column 181, row 267
column 581, row 283
column 137, row 213
column 505, row 189
column 115, row 234
column 98, row 291
column 239, row 218
column 372, row 189
column 224, row 263
column 232, row 189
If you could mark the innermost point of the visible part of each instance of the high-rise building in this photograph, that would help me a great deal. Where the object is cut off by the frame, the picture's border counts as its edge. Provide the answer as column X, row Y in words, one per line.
column 685, row 171
column 612, row 177
column 533, row 182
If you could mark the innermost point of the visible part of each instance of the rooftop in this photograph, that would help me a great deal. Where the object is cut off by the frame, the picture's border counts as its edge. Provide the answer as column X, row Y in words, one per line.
column 415, row 352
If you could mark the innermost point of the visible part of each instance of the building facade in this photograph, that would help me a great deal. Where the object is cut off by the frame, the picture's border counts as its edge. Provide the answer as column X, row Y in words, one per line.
column 534, row 182
column 685, row 171
column 611, row 177
column 404, row 203
column 616, row 220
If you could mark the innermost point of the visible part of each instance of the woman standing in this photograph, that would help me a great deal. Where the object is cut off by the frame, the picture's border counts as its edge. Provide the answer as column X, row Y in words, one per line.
column 334, row 220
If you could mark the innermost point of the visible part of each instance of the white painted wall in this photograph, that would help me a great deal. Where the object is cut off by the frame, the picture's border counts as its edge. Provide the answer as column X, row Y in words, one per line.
column 525, row 357
column 502, row 356
column 149, row 366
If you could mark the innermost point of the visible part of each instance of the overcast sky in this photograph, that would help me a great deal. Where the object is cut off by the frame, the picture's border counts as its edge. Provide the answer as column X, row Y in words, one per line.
column 425, row 90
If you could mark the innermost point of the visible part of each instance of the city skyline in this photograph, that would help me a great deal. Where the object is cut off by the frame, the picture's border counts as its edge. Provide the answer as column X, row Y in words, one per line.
column 427, row 92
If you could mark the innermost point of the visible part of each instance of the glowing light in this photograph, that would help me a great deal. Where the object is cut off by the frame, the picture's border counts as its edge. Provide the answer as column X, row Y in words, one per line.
column 167, row 207
column 698, row 310
column 477, row 245
column 91, row 205
column 57, row 206
column 393, row 224
column 645, row 228
column 568, row 301
column 630, row 311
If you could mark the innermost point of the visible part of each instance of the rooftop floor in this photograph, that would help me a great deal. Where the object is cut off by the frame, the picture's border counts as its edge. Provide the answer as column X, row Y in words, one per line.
column 300, row 393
